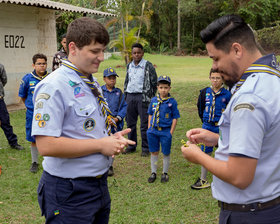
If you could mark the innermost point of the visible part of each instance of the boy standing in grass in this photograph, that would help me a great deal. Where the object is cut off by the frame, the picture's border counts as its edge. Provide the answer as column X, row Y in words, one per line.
column 163, row 115
column 116, row 103
column 26, row 90
column 212, row 101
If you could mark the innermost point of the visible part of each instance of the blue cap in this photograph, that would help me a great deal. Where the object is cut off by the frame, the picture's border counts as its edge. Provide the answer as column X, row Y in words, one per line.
column 109, row 71
column 164, row 78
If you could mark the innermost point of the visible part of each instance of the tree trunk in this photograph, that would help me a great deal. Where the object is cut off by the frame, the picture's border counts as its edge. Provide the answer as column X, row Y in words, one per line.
column 141, row 18
column 179, row 27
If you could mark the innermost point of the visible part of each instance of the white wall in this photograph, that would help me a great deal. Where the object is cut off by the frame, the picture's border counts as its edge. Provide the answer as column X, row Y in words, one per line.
column 24, row 31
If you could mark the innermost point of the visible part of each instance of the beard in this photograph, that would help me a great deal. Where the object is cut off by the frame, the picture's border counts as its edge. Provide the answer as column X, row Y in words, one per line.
column 232, row 77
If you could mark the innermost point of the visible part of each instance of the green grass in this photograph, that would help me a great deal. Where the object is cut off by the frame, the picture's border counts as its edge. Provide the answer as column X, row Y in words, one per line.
column 134, row 200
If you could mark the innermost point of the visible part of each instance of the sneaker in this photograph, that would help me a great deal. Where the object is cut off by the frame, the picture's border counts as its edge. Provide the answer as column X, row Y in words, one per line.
column 34, row 167
column 17, row 147
column 111, row 171
column 200, row 184
column 152, row 178
column 145, row 154
column 129, row 150
column 164, row 178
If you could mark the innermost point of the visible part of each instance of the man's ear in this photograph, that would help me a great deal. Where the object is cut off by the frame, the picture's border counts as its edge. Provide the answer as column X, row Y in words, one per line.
column 237, row 50
column 72, row 48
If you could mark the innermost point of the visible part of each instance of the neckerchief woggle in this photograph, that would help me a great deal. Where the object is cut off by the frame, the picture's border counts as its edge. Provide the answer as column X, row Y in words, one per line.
column 156, row 116
column 267, row 64
column 34, row 74
column 93, row 86
column 212, row 109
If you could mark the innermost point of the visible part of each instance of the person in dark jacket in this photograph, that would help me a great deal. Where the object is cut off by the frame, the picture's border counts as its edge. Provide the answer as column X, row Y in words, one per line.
column 140, row 87
column 4, row 114
column 212, row 101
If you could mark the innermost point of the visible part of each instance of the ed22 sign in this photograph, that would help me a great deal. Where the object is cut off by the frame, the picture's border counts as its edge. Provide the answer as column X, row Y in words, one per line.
column 14, row 41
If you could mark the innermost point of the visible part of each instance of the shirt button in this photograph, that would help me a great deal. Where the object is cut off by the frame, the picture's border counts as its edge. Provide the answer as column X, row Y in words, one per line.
column 86, row 113
column 253, row 75
column 104, row 132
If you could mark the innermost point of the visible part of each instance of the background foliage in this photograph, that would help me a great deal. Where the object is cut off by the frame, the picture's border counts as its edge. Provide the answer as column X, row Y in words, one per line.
column 157, row 20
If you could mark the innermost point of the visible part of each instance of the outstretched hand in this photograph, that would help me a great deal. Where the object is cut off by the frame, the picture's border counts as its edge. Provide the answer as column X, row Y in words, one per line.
column 200, row 135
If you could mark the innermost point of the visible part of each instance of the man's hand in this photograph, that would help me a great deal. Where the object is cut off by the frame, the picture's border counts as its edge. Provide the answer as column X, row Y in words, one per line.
column 200, row 135
column 191, row 152
column 115, row 144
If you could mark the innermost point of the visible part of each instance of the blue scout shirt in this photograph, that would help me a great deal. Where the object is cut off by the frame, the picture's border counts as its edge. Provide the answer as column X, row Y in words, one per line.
column 136, row 77
column 167, row 112
column 26, row 89
column 215, row 104
column 250, row 127
column 116, row 103
column 69, row 109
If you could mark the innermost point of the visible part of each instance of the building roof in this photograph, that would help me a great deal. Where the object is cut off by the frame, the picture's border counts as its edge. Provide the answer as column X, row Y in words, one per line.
column 56, row 6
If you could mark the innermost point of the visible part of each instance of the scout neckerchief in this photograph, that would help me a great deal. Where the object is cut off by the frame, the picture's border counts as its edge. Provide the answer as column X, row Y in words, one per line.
column 267, row 64
column 156, row 115
column 212, row 109
column 34, row 74
column 93, row 86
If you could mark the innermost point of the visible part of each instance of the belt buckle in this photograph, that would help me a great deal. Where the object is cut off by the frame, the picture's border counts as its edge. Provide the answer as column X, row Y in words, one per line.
column 159, row 128
column 98, row 177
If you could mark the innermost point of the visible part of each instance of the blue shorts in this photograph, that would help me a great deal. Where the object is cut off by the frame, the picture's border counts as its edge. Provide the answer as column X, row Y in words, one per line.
column 157, row 138
column 212, row 128
column 28, row 126
column 82, row 200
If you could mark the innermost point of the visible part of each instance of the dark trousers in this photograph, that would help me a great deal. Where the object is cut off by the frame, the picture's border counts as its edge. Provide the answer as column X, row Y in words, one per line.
column 266, row 216
column 136, row 107
column 81, row 200
column 5, row 123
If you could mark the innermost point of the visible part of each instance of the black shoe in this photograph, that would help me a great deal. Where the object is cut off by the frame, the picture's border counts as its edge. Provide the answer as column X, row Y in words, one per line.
column 200, row 184
column 145, row 154
column 17, row 147
column 34, row 168
column 129, row 150
column 152, row 178
column 164, row 178
column 111, row 171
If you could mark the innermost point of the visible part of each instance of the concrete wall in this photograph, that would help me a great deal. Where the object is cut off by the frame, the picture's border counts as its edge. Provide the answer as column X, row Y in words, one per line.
column 24, row 31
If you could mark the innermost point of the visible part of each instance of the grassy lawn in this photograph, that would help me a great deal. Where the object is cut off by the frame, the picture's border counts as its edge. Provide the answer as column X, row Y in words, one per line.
column 134, row 200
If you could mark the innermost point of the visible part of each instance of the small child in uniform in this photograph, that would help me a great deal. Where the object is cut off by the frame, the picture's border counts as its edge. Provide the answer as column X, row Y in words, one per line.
column 26, row 90
column 212, row 101
column 116, row 102
column 163, row 115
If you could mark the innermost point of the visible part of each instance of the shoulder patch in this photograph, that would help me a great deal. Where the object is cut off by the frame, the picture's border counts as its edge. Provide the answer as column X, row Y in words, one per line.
column 247, row 106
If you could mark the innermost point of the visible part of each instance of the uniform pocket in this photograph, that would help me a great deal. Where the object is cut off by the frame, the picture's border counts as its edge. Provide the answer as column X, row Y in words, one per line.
column 64, row 190
column 84, row 111
column 41, row 197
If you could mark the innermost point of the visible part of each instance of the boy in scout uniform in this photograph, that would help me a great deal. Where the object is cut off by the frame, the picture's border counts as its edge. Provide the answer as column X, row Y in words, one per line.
column 73, row 133
column 26, row 91
column 163, row 116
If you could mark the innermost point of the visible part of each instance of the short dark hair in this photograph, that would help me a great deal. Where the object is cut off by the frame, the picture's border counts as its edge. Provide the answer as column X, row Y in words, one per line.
column 228, row 29
column 63, row 36
column 39, row 56
column 137, row 45
column 84, row 30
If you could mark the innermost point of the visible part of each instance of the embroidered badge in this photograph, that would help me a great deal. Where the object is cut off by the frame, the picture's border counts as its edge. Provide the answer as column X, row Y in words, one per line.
column 42, row 123
column 71, row 83
column 46, row 117
column 77, row 92
column 39, row 105
column 38, row 117
column 89, row 124
column 167, row 115
column 56, row 212
column 31, row 83
column 246, row 106
column 44, row 96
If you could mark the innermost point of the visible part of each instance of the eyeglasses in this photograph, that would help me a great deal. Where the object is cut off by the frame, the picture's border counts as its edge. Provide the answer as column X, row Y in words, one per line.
column 215, row 78
column 39, row 64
